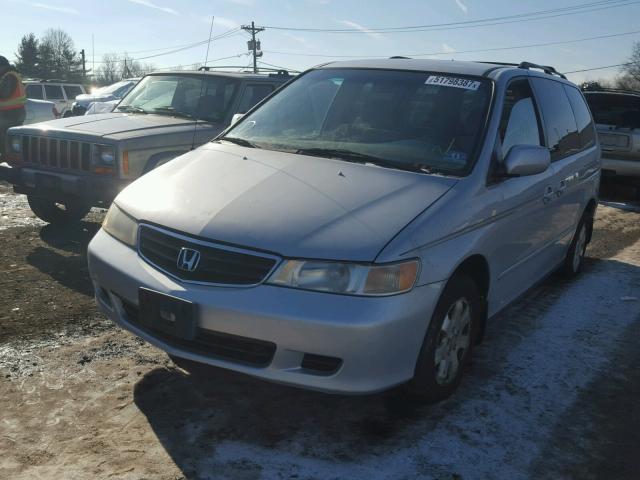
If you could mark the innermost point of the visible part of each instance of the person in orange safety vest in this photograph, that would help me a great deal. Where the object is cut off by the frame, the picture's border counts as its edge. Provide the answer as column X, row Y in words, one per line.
column 12, row 101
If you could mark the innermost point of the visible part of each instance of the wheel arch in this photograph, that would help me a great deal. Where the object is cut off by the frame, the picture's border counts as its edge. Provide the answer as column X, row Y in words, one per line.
column 158, row 157
column 476, row 267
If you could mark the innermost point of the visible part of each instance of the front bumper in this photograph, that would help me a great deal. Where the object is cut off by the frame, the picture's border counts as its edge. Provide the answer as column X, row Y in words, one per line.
column 378, row 339
column 99, row 191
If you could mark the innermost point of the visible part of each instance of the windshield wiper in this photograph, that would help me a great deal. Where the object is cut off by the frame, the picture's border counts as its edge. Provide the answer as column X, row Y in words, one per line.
column 356, row 157
column 131, row 109
column 239, row 141
column 172, row 111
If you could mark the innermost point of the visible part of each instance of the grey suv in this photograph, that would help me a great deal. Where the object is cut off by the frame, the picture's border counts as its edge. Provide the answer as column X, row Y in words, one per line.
column 617, row 116
column 67, row 166
column 357, row 230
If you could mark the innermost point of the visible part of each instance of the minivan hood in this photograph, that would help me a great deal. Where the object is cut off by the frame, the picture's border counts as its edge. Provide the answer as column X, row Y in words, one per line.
column 120, row 125
column 292, row 205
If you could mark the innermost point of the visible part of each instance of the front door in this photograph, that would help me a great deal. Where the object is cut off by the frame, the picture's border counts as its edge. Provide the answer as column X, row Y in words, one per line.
column 524, row 233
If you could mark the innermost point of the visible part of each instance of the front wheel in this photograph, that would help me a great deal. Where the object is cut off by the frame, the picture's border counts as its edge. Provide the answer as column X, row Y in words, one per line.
column 575, row 256
column 58, row 213
column 450, row 337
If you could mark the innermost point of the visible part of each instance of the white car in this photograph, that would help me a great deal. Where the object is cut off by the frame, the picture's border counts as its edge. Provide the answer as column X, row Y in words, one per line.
column 102, row 107
column 111, row 93
column 40, row 111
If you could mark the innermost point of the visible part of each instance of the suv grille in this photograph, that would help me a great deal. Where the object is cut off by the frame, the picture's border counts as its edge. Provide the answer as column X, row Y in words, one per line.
column 218, row 264
column 225, row 346
column 57, row 153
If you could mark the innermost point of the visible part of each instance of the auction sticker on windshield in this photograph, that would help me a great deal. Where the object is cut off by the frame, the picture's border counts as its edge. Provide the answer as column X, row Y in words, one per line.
column 453, row 82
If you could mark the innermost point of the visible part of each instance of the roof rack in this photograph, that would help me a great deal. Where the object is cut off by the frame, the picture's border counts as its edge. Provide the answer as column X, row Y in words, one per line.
column 528, row 65
column 545, row 68
column 279, row 73
column 399, row 56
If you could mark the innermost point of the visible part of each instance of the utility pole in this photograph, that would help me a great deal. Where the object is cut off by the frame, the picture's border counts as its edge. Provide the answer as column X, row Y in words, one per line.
column 252, row 44
column 84, row 65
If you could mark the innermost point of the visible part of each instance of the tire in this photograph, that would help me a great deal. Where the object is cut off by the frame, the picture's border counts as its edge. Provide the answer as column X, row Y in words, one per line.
column 67, row 114
column 575, row 255
column 437, row 378
column 58, row 213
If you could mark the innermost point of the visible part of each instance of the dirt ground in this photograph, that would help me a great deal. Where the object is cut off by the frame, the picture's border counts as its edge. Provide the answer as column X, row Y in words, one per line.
column 552, row 392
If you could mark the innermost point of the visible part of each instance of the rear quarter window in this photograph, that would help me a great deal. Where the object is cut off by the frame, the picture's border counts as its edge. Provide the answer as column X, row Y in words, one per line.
column 72, row 91
column 53, row 92
column 560, row 124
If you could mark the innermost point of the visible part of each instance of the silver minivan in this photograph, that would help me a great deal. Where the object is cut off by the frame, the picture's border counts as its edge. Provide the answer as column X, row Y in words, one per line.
column 357, row 229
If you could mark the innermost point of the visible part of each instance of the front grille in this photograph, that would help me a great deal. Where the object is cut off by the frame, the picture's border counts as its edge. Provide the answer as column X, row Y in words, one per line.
column 52, row 152
column 218, row 264
column 223, row 346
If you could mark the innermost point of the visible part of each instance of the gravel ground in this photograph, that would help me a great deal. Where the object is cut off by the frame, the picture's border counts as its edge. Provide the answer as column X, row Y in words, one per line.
column 552, row 392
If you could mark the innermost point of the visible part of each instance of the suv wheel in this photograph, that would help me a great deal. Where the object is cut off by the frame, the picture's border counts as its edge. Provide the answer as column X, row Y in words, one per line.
column 577, row 248
column 450, row 337
column 58, row 213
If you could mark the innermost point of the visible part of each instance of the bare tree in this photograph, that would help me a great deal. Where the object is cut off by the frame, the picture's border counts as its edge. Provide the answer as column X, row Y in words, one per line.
column 58, row 56
column 630, row 78
column 109, row 71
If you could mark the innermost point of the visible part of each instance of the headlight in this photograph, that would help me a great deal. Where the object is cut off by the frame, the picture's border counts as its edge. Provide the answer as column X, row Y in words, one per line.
column 347, row 278
column 121, row 226
column 104, row 155
column 16, row 144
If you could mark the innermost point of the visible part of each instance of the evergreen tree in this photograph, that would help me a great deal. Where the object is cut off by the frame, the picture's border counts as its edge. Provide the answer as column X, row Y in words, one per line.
column 28, row 56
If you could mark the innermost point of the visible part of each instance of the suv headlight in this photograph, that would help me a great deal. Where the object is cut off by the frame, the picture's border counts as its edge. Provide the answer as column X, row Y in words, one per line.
column 347, row 278
column 15, row 143
column 121, row 226
column 104, row 155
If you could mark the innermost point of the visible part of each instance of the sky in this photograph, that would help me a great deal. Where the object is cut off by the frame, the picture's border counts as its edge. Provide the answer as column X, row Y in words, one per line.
column 150, row 27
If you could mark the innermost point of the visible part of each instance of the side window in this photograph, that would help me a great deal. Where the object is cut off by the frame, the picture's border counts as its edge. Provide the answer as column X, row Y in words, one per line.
column 34, row 91
column 53, row 92
column 519, row 123
column 560, row 124
column 72, row 91
column 252, row 95
column 581, row 112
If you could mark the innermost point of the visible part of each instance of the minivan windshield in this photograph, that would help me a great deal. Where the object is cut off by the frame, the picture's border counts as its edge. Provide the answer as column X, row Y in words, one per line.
column 418, row 121
column 615, row 109
column 205, row 97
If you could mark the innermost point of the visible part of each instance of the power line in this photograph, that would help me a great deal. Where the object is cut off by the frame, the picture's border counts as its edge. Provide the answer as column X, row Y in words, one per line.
column 524, row 17
column 278, row 67
column 513, row 47
column 599, row 68
column 229, row 33
column 176, row 46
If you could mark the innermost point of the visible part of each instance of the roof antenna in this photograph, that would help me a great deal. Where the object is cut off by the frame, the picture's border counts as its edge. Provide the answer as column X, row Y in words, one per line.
column 206, row 60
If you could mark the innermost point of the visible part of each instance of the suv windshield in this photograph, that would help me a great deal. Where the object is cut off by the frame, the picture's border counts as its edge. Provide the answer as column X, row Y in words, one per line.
column 416, row 121
column 204, row 97
column 615, row 109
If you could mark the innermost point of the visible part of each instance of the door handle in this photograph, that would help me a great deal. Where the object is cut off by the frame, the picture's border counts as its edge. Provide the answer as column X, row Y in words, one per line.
column 561, row 188
column 548, row 194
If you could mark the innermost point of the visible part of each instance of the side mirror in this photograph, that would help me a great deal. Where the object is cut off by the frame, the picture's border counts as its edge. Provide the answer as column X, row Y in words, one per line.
column 236, row 117
column 525, row 160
